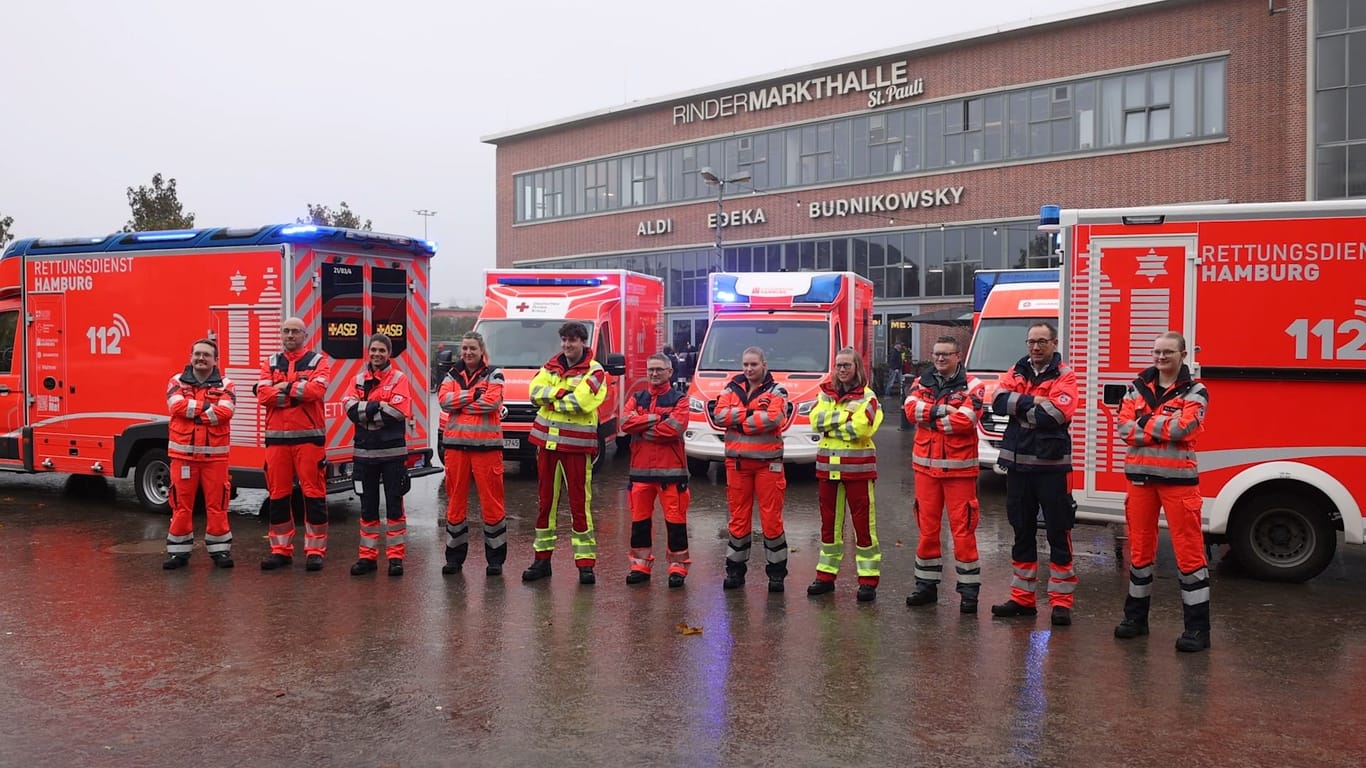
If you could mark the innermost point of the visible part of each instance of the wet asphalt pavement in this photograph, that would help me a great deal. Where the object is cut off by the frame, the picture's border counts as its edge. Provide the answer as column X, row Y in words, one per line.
column 106, row 660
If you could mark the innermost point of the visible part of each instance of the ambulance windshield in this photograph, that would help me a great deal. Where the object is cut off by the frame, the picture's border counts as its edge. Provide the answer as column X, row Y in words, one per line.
column 792, row 346
column 999, row 342
column 524, row 343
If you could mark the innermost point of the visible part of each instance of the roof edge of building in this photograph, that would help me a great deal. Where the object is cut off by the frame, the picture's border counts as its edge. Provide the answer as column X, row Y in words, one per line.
column 1000, row 29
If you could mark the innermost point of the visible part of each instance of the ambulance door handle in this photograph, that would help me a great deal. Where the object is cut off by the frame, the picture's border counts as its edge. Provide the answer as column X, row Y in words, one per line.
column 4, row 390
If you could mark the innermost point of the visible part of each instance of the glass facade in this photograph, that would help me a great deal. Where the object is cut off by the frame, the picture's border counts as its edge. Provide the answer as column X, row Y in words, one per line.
column 1144, row 107
column 1340, row 99
column 931, row 263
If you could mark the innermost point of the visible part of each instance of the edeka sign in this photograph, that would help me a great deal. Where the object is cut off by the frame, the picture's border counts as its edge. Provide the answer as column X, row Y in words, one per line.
column 892, row 201
column 740, row 218
column 884, row 83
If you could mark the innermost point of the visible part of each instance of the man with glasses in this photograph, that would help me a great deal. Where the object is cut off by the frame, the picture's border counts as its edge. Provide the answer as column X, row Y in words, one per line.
column 946, row 405
column 1040, row 396
column 292, row 388
column 655, row 418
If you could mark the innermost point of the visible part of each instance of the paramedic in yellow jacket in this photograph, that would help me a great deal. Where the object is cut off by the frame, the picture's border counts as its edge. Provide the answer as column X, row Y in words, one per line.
column 846, row 416
column 569, row 388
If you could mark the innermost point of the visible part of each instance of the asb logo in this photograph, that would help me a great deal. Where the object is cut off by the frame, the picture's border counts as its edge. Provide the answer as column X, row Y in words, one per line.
column 343, row 329
column 392, row 330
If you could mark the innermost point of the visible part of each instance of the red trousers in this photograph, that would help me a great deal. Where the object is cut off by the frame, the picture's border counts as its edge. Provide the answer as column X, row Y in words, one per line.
column 576, row 471
column 306, row 463
column 959, row 494
column 486, row 469
column 674, row 499
column 1182, row 504
column 751, row 479
column 858, row 495
column 187, row 478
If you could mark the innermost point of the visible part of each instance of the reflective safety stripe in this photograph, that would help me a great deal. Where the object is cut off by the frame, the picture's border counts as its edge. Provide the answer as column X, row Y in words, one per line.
column 776, row 549
column 458, row 534
column 1195, row 587
column 585, row 543
column 545, row 540
column 930, row 570
column 289, row 434
column 737, row 550
column 679, row 562
column 925, row 461
column 369, row 539
column 196, row 450
column 218, row 543
column 380, row 453
column 829, row 559
column 282, row 534
column 315, row 535
column 1061, row 581
column 969, row 572
column 868, row 559
column 179, row 545
column 641, row 558
column 1141, row 581
column 496, row 535
column 395, row 532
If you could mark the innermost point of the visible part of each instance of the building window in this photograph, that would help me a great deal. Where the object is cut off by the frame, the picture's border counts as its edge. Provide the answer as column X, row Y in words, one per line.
column 1339, row 99
column 1116, row 112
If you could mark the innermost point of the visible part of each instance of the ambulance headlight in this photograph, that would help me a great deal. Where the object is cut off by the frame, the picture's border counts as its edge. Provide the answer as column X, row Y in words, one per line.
column 695, row 405
column 804, row 409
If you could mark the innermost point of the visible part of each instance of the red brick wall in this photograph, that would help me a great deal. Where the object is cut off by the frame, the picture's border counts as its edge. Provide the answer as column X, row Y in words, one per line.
column 1262, row 160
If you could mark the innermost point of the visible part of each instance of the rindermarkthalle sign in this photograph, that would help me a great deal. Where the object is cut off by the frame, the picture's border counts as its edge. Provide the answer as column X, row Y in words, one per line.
column 884, row 85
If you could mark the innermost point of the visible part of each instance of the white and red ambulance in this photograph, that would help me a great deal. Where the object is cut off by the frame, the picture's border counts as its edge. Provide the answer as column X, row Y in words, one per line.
column 800, row 320
column 1272, row 301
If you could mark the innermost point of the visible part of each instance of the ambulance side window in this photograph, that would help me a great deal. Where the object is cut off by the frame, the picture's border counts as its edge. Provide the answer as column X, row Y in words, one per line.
column 389, row 305
column 604, row 347
column 9, row 324
column 343, row 295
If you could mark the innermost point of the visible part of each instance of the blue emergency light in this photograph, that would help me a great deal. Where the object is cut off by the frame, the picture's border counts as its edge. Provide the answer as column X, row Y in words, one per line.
column 161, row 237
column 561, row 281
column 824, row 289
column 985, row 281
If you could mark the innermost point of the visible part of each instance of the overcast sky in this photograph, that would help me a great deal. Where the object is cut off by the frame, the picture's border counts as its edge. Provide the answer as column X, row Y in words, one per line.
column 258, row 107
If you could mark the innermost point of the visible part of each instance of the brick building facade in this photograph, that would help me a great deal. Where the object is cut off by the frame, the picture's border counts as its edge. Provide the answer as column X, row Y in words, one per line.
column 1137, row 102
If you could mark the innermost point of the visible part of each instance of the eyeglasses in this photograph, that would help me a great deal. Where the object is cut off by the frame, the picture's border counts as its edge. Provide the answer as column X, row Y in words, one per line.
column 844, row 365
column 1165, row 352
column 656, row 370
column 292, row 331
column 1038, row 342
column 943, row 354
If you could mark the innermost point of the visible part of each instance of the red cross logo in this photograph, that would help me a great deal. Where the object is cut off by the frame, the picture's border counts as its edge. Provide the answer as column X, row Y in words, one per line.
column 523, row 307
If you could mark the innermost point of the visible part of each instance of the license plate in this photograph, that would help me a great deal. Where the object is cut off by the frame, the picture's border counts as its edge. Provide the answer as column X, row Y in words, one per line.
column 512, row 443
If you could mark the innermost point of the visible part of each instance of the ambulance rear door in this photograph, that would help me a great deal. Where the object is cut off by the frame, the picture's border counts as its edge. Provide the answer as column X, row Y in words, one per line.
column 12, row 410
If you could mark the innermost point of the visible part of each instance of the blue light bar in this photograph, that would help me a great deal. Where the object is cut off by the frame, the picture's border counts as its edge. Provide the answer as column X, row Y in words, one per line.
column 549, row 281
column 156, row 237
column 301, row 229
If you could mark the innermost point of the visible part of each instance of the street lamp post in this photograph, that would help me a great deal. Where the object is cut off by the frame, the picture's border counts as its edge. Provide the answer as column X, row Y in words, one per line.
column 720, row 182
column 425, row 214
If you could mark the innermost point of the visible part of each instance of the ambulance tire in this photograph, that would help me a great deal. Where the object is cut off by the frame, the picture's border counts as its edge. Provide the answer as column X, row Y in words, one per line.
column 698, row 467
column 152, row 481
column 1282, row 537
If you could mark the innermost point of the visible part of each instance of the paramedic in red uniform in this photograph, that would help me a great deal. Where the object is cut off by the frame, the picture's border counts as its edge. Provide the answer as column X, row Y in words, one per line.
column 1162, row 414
column 292, row 388
column 380, row 404
column 752, row 409
column 945, row 405
column 201, row 401
column 1040, row 396
column 472, row 445
column 655, row 418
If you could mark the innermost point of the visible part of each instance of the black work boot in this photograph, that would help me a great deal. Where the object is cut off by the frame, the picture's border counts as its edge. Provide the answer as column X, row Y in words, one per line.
column 539, row 570
column 1135, row 621
column 676, row 580
column 1010, row 609
column 176, row 561
column 222, row 559
column 586, row 575
column 313, row 563
column 867, row 593
column 1196, row 636
column 925, row 593
column 735, row 575
column 637, row 577
column 820, row 587
column 455, row 558
column 495, row 557
column 275, row 560
column 363, row 566
column 777, row 574
column 395, row 566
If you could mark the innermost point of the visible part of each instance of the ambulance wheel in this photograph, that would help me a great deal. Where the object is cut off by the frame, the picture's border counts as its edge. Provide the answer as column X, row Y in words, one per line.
column 698, row 467
column 152, row 481
column 1283, row 537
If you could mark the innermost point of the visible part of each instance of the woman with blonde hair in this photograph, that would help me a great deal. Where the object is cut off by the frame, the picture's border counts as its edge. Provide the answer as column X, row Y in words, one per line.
column 846, row 416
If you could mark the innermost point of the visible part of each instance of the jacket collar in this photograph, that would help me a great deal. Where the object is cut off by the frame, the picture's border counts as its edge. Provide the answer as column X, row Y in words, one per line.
column 215, row 378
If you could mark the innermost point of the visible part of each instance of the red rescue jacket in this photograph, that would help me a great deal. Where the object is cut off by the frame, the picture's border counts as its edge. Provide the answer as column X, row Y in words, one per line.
column 292, row 388
column 656, row 418
column 474, row 399
column 753, row 419
column 945, row 415
column 1160, row 429
column 201, row 416
column 379, row 404
column 1040, row 407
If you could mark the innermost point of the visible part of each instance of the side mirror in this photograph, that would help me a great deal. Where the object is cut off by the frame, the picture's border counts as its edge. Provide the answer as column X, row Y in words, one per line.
column 445, row 356
column 1114, row 394
column 615, row 365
